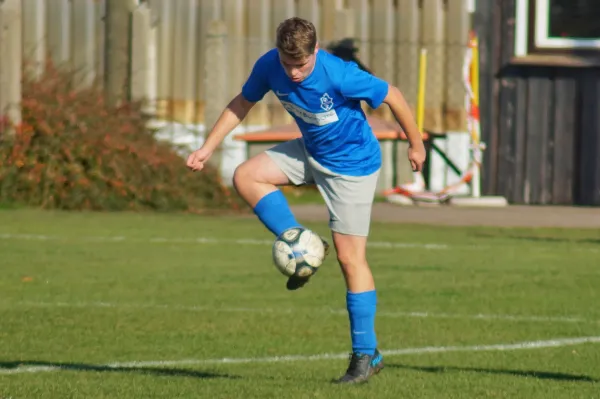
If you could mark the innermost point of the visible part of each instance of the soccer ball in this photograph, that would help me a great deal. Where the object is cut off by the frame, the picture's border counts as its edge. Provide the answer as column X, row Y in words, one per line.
column 298, row 251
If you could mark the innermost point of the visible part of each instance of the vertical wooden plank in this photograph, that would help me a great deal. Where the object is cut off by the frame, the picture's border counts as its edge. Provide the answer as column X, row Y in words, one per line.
column 433, row 38
column 344, row 24
column 457, row 34
column 382, row 64
column 180, row 14
column 3, row 77
column 260, row 40
column 407, row 56
column 512, row 143
column 520, row 141
column 83, row 52
column 34, row 35
column 14, row 58
column 328, row 9
column 10, row 63
column 507, row 39
column 507, row 158
column 184, row 55
column 547, row 167
column 118, row 49
column 310, row 10
column 589, row 142
column 494, row 22
column 208, row 10
column 164, row 56
column 100, row 36
column 216, row 76
column 382, row 48
column 140, row 58
column 58, row 34
column 281, row 10
column 234, row 12
column 539, row 104
column 362, row 28
column 566, row 130
column 484, row 24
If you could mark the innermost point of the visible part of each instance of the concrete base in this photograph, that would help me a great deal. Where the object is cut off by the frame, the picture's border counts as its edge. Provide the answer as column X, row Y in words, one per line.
column 491, row 201
column 485, row 202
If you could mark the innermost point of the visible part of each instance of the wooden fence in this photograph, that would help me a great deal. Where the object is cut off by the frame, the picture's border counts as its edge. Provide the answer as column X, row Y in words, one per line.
column 189, row 57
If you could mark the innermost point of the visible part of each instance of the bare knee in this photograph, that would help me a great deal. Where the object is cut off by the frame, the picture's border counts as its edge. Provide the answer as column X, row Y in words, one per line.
column 352, row 257
column 351, row 262
column 257, row 177
column 244, row 174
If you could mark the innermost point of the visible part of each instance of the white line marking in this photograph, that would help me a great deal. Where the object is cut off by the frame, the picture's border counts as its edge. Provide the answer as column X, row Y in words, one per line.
column 480, row 316
column 342, row 312
column 203, row 240
column 553, row 343
column 250, row 241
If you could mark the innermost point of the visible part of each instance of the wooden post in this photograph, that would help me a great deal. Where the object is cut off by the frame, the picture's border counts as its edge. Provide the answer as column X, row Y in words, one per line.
column 83, row 52
column 140, row 57
column 328, row 10
column 362, row 28
column 281, row 10
column 164, row 57
column 10, row 61
column 382, row 49
column 234, row 13
column 58, row 30
column 260, row 40
column 183, row 94
column 118, row 51
column 457, row 36
column 216, row 76
column 34, row 36
column 209, row 10
column 99, row 37
column 309, row 9
column 407, row 56
column 344, row 26
column 408, row 16
column 432, row 34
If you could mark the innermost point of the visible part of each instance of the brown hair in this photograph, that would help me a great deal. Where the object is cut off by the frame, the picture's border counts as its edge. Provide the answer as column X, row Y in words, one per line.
column 296, row 37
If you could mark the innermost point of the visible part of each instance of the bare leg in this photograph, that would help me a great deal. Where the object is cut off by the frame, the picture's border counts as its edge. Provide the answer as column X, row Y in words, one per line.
column 352, row 257
column 258, row 177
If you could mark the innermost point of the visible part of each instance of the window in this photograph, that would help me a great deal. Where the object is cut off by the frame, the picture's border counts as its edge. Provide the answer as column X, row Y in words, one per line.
column 555, row 26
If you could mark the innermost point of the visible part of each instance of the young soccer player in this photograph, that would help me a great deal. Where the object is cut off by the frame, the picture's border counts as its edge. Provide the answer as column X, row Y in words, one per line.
column 338, row 152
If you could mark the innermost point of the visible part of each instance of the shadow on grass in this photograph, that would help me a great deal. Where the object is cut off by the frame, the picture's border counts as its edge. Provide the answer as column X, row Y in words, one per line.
column 540, row 239
column 33, row 366
column 542, row 375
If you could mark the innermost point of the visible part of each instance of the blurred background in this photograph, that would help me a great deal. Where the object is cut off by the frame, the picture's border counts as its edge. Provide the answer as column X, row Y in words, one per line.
column 185, row 59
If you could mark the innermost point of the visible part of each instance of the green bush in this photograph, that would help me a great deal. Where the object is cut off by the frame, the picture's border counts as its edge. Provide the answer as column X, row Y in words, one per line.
column 73, row 151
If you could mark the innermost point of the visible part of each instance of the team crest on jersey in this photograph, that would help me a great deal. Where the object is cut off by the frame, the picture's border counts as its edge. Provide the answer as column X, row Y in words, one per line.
column 326, row 102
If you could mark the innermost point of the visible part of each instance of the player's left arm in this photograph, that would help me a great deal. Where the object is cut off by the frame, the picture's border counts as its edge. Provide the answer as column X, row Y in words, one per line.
column 403, row 114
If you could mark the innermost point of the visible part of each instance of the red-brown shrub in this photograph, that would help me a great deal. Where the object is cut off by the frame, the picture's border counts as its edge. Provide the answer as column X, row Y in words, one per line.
column 73, row 151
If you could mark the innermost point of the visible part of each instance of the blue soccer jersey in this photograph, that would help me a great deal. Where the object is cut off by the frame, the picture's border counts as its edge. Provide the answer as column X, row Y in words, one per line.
column 326, row 107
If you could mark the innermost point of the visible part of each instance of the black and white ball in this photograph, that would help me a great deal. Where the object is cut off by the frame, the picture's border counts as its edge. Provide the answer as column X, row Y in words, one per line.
column 298, row 251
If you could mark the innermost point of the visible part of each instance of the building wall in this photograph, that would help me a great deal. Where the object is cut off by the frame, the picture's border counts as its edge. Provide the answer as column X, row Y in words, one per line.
column 541, row 121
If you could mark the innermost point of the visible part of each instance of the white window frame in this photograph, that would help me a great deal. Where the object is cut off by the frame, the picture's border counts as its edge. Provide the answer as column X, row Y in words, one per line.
column 541, row 39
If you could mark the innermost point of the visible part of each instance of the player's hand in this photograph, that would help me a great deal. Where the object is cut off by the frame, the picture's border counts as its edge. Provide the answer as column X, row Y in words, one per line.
column 198, row 159
column 416, row 156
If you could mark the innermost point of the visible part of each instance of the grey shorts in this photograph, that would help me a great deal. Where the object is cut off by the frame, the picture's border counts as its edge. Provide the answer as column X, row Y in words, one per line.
column 349, row 199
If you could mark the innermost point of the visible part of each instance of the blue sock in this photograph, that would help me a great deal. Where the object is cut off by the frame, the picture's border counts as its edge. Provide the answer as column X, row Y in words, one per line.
column 274, row 212
column 361, row 309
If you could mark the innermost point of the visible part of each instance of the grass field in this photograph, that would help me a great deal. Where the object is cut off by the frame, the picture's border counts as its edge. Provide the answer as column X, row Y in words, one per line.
column 180, row 306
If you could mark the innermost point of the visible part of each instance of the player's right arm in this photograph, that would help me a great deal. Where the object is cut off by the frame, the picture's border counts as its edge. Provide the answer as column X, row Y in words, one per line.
column 253, row 91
